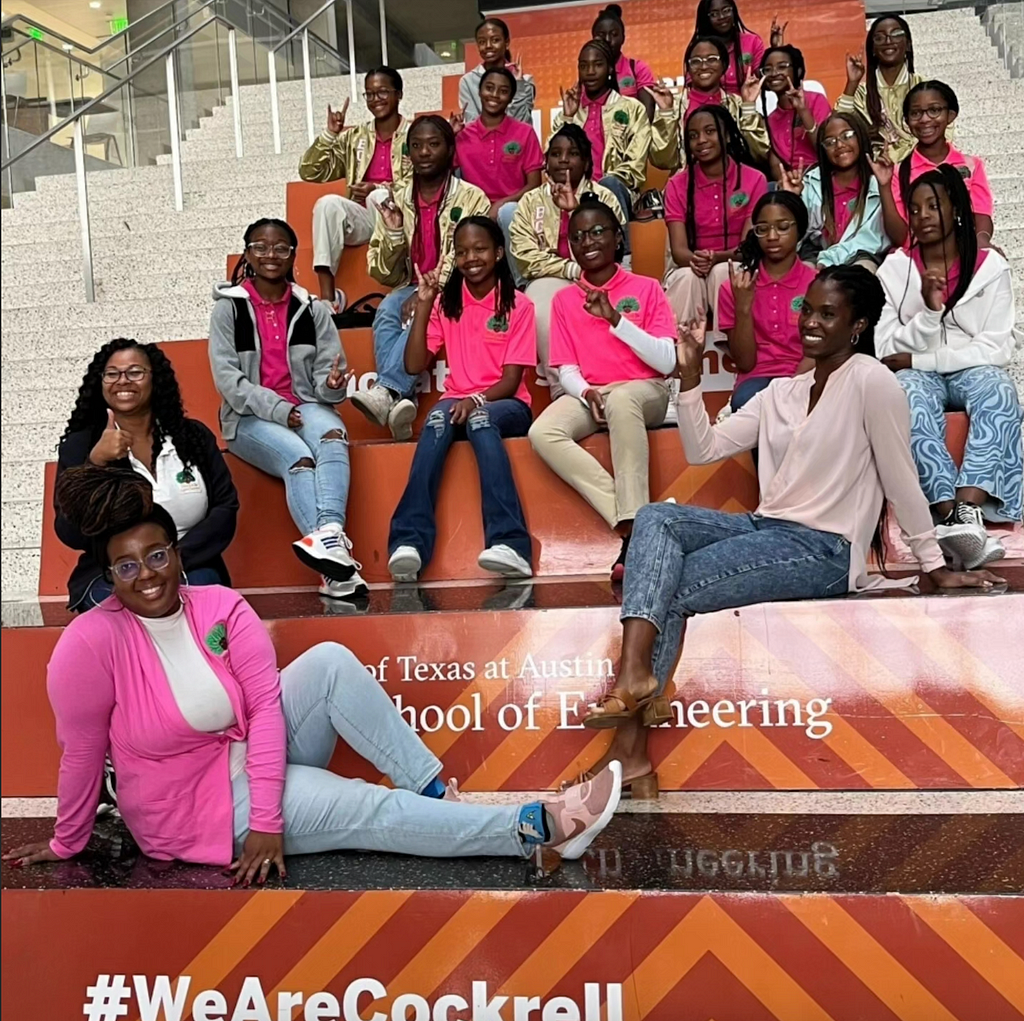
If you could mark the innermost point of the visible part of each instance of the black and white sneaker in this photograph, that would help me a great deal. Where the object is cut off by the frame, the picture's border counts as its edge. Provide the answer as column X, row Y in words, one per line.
column 962, row 536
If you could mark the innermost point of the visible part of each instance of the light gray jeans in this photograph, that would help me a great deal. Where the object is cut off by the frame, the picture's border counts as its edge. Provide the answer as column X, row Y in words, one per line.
column 327, row 693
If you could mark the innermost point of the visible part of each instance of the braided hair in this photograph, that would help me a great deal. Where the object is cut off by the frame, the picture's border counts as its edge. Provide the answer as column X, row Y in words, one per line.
column 169, row 421
column 734, row 150
column 435, row 120
column 949, row 98
column 825, row 170
column 579, row 139
column 749, row 252
column 874, row 101
column 612, row 13
column 713, row 40
column 612, row 81
column 590, row 202
column 103, row 501
column 949, row 179
column 505, row 286
column 705, row 28
column 242, row 268
column 797, row 73
column 502, row 28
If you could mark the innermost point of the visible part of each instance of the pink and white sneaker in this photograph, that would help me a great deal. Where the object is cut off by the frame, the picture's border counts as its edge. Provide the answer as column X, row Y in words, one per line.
column 580, row 813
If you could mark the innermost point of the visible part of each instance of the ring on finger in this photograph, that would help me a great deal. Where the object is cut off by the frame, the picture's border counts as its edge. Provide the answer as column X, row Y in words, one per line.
column 268, row 861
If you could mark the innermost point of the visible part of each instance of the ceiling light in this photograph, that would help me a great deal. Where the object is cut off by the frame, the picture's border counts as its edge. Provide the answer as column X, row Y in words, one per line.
column 445, row 53
column 95, row 5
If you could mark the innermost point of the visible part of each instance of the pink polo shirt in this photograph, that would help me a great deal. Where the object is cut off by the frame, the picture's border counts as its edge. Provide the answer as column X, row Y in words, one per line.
column 790, row 141
column 972, row 170
column 739, row 195
column 696, row 99
column 379, row 169
column 578, row 338
column 497, row 160
column 633, row 75
column 480, row 344
column 776, row 316
column 953, row 273
column 594, row 128
column 272, row 326
column 424, row 249
column 845, row 203
column 751, row 52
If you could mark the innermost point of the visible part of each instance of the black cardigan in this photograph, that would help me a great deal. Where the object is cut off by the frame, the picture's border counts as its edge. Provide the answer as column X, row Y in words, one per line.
column 201, row 546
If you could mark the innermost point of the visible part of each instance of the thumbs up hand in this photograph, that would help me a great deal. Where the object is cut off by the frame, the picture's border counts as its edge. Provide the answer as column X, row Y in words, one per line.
column 113, row 444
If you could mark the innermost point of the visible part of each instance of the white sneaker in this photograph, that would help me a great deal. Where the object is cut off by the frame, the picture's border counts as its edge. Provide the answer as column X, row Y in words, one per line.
column 993, row 551
column 375, row 403
column 504, row 560
column 327, row 550
column 340, row 302
column 400, row 419
column 355, row 586
column 405, row 563
column 962, row 535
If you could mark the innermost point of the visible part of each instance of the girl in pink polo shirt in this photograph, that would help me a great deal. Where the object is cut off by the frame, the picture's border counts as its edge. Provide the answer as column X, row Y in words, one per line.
column 612, row 341
column 759, row 305
column 793, row 124
column 497, row 153
column 929, row 110
column 707, row 209
column 487, row 330
column 635, row 76
column 722, row 19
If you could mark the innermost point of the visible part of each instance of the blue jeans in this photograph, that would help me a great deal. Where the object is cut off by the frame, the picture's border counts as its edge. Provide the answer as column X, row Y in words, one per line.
column 687, row 560
column 746, row 390
column 389, row 339
column 414, row 524
column 326, row 693
column 316, row 496
column 505, row 214
column 993, row 459
column 100, row 588
column 621, row 191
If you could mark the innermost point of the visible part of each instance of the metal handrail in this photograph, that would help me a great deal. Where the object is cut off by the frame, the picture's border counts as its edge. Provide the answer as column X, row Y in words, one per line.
column 64, row 54
column 303, row 29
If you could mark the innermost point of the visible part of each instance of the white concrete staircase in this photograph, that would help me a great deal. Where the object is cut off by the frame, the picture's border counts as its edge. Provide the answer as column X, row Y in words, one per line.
column 155, row 267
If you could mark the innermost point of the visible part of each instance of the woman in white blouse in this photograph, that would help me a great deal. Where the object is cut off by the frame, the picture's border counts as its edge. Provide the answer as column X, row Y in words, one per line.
column 834, row 445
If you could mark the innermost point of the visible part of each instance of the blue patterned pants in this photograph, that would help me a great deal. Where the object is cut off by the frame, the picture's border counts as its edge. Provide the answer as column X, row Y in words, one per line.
column 993, row 460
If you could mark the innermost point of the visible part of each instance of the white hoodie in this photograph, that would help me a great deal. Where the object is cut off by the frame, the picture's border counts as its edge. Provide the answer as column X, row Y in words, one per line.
column 978, row 331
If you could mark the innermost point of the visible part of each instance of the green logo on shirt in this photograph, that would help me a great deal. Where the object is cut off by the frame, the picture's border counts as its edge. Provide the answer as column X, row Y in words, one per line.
column 747, row 58
column 739, row 199
column 405, row 148
column 217, row 639
column 185, row 477
column 456, row 214
column 512, row 149
column 965, row 172
column 627, row 81
column 627, row 305
column 498, row 324
column 620, row 117
column 797, row 304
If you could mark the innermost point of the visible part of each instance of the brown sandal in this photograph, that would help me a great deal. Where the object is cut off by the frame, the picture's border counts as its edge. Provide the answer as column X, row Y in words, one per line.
column 652, row 711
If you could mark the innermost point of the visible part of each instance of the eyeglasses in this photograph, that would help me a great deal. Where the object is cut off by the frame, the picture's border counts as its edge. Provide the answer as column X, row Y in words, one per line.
column 155, row 560
column 778, row 68
column 843, row 136
column 696, row 63
column 379, row 94
column 261, row 250
column 134, row 374
column 888, row 37
column 933, row 113
column 594, row 233
column 722, row 11
column 762, row 230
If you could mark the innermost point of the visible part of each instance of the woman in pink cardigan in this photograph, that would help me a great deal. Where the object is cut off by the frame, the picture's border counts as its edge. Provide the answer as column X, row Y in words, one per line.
column 833, row 446
column 219, row 758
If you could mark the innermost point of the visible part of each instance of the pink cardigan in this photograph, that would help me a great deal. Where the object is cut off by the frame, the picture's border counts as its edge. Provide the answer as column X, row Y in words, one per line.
column 109, row 691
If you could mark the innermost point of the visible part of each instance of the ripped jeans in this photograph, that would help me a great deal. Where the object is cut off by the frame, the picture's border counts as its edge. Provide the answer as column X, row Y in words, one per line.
column 413, row 523
column 317, row 490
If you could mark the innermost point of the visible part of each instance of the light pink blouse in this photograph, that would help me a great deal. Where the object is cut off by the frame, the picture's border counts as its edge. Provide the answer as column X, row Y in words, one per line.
column 829, row 469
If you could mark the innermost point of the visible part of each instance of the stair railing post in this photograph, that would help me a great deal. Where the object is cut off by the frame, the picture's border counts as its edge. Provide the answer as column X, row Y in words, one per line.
column 172, row 117
column 275, row 116
column 83, row 213
column 308, row 85
column 351, row 51
column 235, row 98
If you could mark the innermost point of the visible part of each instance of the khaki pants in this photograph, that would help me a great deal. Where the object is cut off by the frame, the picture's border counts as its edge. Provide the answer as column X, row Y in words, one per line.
column 689, row 293
column 631, row 409
column 339, row 222
column 542, row 292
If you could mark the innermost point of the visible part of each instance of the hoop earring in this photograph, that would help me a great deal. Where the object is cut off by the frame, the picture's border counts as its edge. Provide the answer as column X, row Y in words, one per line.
column 854, row 340
column 184, row 579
